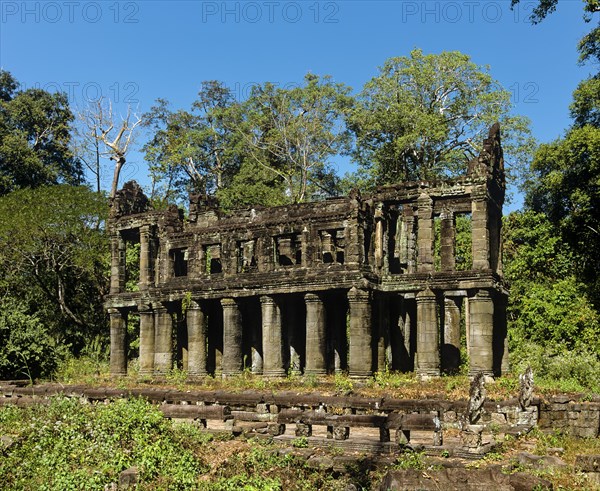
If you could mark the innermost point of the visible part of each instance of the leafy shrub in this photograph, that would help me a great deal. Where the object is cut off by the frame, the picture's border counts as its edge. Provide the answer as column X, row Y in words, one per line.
column 70, row 445
column 26, row 348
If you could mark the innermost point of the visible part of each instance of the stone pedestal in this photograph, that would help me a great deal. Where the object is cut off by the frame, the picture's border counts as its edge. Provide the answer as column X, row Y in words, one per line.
column 471, row 436
column 316, row 345
column 304, row 430
column 147, row 339
column 428, row 344
column 361, row 349
column 118, row 342
column 232, row 337
column 272, row 338
column 481, row 328
column 163, row 341
column 196, row 329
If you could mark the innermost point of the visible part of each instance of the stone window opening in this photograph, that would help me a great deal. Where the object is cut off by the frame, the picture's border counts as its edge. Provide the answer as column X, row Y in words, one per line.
column 464, row 241
column 131, row 259
column 179, row 260
column 246, row 256
column 332, row 246
column 288, row 250
column 213, row 264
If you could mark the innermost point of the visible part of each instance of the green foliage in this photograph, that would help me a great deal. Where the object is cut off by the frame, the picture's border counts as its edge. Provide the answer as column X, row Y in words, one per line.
column 300, row 442
column 343, row 384
column 70, row 445
column 422, row 114
column 26, row 348
column 194, row 151
column 252, row 185
column 245, row 483
column 54, row 258
column 294, row 132
column 410, row 460
column 566, row 188
column 34, row 138
column 132, row 267
column 553, row 325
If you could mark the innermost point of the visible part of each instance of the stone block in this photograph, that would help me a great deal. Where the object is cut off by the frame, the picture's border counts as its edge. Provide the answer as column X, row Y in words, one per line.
column 129, row 478
column 588, row 463
column 341, row 432
column 471, row 436
column 449, row 417
column 303, row 429
column 275, row 429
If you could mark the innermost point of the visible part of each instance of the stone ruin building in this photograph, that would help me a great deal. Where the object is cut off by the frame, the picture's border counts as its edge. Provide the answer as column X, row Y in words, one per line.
column 353, row 284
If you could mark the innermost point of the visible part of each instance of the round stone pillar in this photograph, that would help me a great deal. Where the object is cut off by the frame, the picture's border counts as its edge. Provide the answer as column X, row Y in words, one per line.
column 428, row 335
column 196, row 330
column 272, row 338
column 361, row 349
column 118, row 342
column 163, row 341
column 147, row 339
column 316, row 340
column 232, row 337
column 481, row 316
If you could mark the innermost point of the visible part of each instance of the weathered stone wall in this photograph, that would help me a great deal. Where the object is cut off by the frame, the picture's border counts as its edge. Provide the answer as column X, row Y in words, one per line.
column 577, row 418
column 563, row 413
column 274, row 289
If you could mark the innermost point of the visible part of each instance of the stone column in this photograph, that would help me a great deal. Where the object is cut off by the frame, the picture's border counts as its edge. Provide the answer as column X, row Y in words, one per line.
column 451, row 344
column 316, row 336
column 480, row 234
column 500, row 338
column 481, row 313
column 428, row 335
column 294, row 327
column 145, row 269
column 117, row 265
column 379, row 247
column 447, row 241
column 361, row 349
column 196, row 329
column 272, row 338
column 232, row 337
column 118, row 342
column 147, row 336
column 425, row 233
column 383, row 333
column 163, row 341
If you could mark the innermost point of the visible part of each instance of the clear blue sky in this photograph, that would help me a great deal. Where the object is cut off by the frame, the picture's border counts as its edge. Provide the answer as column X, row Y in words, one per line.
column 137, row 51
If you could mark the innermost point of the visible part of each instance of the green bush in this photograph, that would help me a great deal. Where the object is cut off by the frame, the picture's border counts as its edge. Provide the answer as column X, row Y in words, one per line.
column 26, row 348
column 69, row 445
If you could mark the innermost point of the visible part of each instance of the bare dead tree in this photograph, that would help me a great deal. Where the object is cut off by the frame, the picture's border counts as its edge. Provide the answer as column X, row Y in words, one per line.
column 86, row 145
column 108, row 137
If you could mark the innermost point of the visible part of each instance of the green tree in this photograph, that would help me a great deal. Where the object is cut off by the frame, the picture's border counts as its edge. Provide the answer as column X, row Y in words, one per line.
column 424, row 116
column 566, row 187
column 551, row 318
column 34, row 138
column 26, row 348
column 193, row 151
column 54, row 258
column 293, row 133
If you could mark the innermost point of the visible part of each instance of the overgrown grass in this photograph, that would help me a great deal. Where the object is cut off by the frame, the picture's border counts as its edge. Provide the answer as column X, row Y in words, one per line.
column 554, row 378
column 70, row 445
